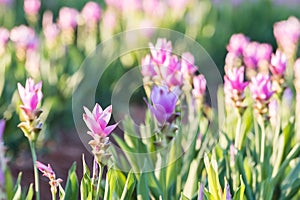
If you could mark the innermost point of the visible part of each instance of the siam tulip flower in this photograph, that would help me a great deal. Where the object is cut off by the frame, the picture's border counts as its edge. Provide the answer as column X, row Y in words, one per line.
column 261, row 89
column 109, row 20
column 278, row 64
column 237, row 44
column 49, row 173
column 161, row 50
column 170, row 71
column 148, row 67
column 199, row 83
column 287, row 34
column 67, row 19
column 227, row 190
column 24, row 37
column 234, row 86
column 187, row 65
column 163, row 104
column 4, row 37
column 91, row 12
column 32, row 7
column 256, row 53
column 97, row 121
column 31, row 96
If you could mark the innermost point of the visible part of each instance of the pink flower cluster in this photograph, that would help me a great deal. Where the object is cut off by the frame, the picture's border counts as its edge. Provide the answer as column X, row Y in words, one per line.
column 32, row 7
column 24, row 37
column 241, row 51
column 166, row 68
column 287, row 34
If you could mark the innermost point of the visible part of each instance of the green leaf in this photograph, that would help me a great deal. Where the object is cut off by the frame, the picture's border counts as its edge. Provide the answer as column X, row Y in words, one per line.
column 129, row 186
column 239, row 194
column 183, row 197
column 9, row 184
column 142, row 188
column 86, row 190
column 192, row 181
column 30, row 192
column 154, row 185
column 17, row 193
column 71, row 190
column 117, row 181
column 213, row 179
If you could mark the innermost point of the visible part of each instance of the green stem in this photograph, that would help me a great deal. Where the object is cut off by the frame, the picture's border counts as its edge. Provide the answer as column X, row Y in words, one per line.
column 35, row 170
column 99, row 182
column 238, row 140
column 163, row 175
column 263, row 142
column 53, row 195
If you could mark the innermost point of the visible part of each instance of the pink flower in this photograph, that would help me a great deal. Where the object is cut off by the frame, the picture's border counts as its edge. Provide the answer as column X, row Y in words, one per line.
column 187, row 64
column 255, row 52
column 91, row 12
column 4, row 37
column 199, row 83
column 32, row 7
column 24, row 37
column 261, row 88
column 2, row 127
column 278, row 64
column 31, row 96
column 148, row 67
column 67, row 18
column 234, row 82
column 46, row 170
column 170, row 71
column 161, row 50
column 287, row 34
column 49, row 173
column 163, row 103
column 97, row 120
column 237, row 44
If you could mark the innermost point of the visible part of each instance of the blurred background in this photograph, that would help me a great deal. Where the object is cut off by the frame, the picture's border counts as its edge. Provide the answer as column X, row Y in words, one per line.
column 49, row 40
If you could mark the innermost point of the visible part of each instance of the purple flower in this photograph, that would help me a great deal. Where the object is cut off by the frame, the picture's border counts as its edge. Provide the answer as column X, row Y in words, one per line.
column 261, row 88
column 278, row 64
column 24, row 37
column 67, row 18
column 2, row 127
column 163, row 103
column 237, row 44
column 199, row 83
column 227, row 189
column 234, row 84
column 161, row 50
column 287, row 34
column 187, row 64
column 31, row 96
column 32, row 7
column 91, row 12
column 97, row 121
